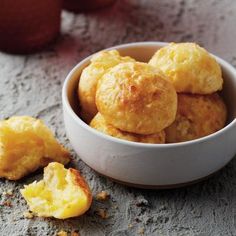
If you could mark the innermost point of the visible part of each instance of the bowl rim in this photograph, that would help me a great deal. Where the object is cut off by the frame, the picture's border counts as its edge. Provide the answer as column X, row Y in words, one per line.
column 79, row 121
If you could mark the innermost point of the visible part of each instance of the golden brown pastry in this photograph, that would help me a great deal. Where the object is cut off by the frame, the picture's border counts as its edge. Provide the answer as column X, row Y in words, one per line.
column 100, row 63
column 189, row 67
column 63, row 193
column 136, row 97
column 99, row 123
column 26, row 144
column 197, row 116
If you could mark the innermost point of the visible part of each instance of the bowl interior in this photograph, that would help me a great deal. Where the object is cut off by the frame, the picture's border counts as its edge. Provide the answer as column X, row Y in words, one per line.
column 143, row 52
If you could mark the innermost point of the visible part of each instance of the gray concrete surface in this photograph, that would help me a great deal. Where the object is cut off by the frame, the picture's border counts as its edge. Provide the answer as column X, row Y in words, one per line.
column 31, row 85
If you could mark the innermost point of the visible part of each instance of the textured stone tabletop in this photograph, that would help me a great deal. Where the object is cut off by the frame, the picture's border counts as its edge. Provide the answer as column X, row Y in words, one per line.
column 31, row 85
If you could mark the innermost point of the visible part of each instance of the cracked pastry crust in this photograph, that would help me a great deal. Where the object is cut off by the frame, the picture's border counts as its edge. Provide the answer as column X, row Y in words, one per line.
column 189, row 67
column 136, row 97
column 26, row 144
column 197, row 116
column 100, row 63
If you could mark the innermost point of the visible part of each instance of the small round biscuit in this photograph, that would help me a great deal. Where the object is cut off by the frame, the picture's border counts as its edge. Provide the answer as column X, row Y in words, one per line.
column 189, row 67
column 135, row 97
column 197, row 116
column 100, row 63
column 100, row 124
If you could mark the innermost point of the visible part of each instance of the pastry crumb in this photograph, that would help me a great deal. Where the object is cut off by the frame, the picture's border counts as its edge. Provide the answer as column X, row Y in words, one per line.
column 103, row 196
column 141, row 231
column 115, row 207
column 75, row 234
column 7, row 203
column 142, row 202
column 8, row 193
column 102, row 213
column 62, row 233
column 28, row 215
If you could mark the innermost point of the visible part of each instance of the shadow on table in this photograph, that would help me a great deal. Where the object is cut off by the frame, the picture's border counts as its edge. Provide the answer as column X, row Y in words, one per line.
column 216, row 192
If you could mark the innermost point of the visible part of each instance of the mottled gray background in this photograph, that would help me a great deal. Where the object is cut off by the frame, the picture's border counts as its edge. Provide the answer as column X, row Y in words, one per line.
column 31, row 85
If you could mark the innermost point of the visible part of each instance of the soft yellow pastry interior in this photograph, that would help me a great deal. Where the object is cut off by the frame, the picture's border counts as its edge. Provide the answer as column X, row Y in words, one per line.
column 63, row 193
column 27, row 144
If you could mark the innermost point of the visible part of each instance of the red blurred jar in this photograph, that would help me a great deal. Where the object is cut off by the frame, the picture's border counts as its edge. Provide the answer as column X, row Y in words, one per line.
column 85, row 5
column 28, row 25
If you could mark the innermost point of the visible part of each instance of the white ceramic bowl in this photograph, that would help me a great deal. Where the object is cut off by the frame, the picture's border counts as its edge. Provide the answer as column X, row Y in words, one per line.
column 150, row 165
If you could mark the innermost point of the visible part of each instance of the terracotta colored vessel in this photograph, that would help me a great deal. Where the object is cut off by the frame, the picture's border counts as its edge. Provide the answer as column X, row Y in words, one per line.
column 85, row 5
column 28, row 25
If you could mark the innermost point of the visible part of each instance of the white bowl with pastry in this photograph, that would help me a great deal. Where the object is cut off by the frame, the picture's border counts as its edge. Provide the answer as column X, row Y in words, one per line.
column 152, row 118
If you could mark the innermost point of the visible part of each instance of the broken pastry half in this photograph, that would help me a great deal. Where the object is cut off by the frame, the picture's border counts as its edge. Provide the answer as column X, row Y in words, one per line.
column 27, row 144
column 63, row 193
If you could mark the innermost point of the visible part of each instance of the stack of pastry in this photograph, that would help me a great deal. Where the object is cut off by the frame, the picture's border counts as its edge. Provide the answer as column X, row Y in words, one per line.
column 172, row 98
column 197, row 77
column 133, row 100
